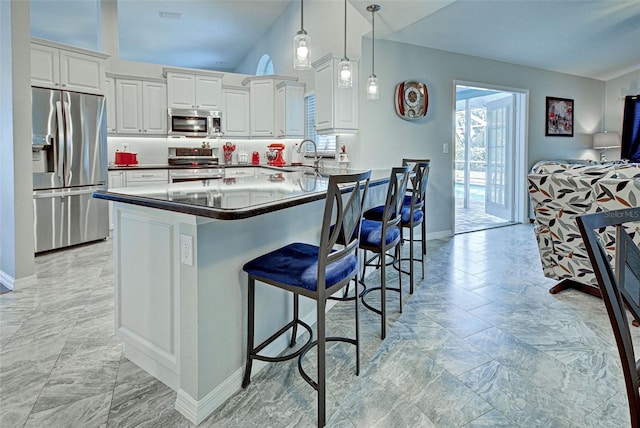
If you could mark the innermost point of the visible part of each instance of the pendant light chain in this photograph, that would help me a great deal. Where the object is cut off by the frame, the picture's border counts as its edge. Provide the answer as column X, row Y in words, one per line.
column 345, row 29
column 373, row 42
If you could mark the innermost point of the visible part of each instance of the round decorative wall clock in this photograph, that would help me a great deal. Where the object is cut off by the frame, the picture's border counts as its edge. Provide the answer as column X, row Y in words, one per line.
column 411, row 99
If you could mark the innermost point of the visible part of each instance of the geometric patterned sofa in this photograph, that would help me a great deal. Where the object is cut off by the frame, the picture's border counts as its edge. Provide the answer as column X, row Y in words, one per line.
column 560, row 191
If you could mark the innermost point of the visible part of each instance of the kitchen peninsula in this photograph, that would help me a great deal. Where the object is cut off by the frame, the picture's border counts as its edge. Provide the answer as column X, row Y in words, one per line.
column 180, row 292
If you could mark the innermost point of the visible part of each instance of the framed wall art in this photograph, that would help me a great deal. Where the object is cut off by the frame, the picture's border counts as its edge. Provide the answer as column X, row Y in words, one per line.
column 559, row 117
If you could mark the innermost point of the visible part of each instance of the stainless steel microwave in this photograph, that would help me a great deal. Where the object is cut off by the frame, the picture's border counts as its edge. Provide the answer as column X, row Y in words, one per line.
column 195, row 123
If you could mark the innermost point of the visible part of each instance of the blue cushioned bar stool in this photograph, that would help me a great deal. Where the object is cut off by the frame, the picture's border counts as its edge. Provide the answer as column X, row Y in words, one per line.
column 380, row 236
column 413, row 213
column 316, row 272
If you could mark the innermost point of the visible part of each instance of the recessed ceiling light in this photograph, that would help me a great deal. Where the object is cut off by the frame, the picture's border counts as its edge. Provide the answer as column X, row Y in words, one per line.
column 170, row 15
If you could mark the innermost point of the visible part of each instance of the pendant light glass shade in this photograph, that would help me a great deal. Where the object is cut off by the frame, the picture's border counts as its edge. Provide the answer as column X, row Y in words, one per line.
column 301, row 51
column 301, row 45
column 345, row 73
column 345, row 69
column 373, row 88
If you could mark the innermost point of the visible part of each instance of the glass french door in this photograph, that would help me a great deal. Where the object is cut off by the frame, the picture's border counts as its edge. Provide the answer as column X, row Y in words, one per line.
column 499, row 199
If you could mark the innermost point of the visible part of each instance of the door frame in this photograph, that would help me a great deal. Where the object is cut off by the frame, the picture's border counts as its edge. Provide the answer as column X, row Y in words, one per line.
column 521, row 147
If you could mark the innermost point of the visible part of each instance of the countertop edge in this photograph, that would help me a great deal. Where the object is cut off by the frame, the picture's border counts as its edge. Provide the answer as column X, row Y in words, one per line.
column 217, row 213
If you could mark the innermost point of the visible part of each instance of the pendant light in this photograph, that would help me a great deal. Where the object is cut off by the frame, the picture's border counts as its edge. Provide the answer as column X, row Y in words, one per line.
column 345, row 71
column 373, row 88
column 301, row 44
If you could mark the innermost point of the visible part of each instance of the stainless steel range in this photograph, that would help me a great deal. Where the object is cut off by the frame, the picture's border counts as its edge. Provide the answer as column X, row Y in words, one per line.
column 193, row 163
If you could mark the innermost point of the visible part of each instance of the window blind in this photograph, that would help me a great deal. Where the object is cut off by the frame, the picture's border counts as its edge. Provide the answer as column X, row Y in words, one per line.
column 326, row 143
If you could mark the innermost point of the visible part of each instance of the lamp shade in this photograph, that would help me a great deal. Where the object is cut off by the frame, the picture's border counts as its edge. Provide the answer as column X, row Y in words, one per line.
column 606, row 140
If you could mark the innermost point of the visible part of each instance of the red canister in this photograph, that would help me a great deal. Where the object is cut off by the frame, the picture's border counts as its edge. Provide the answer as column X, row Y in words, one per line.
column 255, row 158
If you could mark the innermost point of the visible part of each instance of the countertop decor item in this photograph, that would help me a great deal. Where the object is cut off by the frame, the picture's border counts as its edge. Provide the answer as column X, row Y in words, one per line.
column 228, row 150
column 411, row 99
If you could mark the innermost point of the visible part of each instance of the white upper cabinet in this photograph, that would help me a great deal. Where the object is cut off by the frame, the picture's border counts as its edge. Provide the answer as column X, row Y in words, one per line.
column 208, row 92
column 235, row 117
column 262, row 107
column 129, row 106
column 154, row 107
column 141, row 107
column 275, row 115
column 72, row 69
column 110, row 99
column 194, row 91
column 289, row 109
column 336, row 108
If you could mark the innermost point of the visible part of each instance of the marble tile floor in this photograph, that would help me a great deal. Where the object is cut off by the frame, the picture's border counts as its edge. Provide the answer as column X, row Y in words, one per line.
column 481, row 343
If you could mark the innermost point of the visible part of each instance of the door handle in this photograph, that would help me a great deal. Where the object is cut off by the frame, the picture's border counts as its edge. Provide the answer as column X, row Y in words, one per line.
column 57, row 150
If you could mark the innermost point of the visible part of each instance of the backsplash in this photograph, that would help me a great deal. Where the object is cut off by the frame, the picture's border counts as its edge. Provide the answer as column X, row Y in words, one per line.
column 154, row 151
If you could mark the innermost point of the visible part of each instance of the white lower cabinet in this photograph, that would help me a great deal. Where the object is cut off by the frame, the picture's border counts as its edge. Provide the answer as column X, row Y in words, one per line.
column 147, row 177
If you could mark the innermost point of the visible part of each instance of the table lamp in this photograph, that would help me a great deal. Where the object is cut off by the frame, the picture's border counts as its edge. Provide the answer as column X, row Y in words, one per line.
column 605, row 140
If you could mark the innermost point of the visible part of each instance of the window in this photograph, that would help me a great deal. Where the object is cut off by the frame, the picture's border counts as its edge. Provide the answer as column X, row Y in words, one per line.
column 326, row 143
column 265, row 66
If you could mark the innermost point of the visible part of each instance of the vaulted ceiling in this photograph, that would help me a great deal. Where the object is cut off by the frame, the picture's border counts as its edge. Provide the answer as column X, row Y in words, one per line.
column 592, row 38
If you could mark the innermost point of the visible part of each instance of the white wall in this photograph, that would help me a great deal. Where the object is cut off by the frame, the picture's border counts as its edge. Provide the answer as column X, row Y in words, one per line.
column 16, row 214
column 615, row 91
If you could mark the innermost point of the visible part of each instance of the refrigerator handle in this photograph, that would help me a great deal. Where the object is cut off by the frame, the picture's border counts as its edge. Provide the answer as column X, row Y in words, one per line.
column 68, row 142
column 59, row 143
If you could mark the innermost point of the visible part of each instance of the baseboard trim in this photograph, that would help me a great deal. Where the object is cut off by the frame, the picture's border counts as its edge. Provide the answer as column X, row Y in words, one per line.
column 11, row 283
column 197, row 411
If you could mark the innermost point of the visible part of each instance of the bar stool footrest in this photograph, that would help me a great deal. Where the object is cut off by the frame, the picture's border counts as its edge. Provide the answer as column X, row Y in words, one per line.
column 267, row 342
column 368, row 290
column 304, row 374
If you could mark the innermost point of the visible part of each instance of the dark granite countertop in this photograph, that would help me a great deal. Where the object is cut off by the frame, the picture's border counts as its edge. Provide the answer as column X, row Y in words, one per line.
column 235, row 198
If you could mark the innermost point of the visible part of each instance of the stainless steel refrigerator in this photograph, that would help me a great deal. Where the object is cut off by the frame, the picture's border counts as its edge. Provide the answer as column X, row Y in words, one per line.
column 69, row 149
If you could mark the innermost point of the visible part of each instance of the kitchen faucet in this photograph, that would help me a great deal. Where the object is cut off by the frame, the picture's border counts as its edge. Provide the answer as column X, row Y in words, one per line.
column 316, row 159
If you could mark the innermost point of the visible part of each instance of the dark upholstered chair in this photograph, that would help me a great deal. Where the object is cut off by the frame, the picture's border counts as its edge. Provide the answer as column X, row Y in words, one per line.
column 316, row 272
column 381, row 235
column 619, row 287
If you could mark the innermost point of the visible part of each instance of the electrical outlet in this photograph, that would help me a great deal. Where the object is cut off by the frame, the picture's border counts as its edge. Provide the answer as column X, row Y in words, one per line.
column 445, row 148
column 186, row 250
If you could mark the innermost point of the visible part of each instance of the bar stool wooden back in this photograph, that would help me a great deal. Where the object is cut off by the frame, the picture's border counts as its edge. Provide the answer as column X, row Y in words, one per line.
column 381, row 235
column 414, row 212
column 316, row 272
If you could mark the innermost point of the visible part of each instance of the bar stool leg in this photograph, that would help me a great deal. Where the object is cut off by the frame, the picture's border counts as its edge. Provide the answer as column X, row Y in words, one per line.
column 383, row 297
column 411, row 272
column 356, row 299
column 399, row 258
column 250, row 331
column 322, row 387
column 294, row 332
